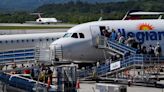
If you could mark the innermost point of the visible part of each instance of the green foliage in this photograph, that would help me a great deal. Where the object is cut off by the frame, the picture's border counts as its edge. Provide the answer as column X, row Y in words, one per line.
column 79, row 12
column 17, row 17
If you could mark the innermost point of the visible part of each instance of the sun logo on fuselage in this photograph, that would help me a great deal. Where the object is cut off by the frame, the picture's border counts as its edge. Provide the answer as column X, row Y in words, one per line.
column 145, row 27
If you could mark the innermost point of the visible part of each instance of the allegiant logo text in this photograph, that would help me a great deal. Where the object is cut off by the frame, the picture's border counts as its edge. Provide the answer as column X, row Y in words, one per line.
column 143, row 36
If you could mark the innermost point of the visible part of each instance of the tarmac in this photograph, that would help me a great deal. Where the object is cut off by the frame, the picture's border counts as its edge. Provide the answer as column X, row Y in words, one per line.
column 30, row 31
column 91, row 87
column 35, row 24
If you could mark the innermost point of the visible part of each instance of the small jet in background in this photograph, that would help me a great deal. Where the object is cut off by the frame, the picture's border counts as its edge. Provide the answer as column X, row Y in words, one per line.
column 42, row 20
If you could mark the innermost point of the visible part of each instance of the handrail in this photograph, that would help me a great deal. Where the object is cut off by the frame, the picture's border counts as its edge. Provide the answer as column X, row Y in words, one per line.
column 103, row 42
column 122, row 47
column 127, row 61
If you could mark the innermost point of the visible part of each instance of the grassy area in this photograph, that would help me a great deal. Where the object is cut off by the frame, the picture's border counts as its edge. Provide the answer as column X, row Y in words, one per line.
column 32, row 27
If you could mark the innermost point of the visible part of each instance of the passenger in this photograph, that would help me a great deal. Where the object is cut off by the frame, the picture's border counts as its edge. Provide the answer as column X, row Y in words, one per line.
column 42, row 76
column 106, row 33
column 134, row 44
column 158, row 50
column 130, row 41
column 14, row 65
column 107, row 62
column 43, row 67
column 94, row 75
column 32, row 71
column 121, row 40
column 6, row 67
column 113, row 35
column 151, row 50
column 19, row 71
column 113, row 58
column 50, row 74
column 110, row 60
column 118, row 36
column 22, row 66
column 127, row 42
column 27, row 71
column 46, row 75
column 98, row 64
column 36, row 73
column 144, row 51
column 139, row 48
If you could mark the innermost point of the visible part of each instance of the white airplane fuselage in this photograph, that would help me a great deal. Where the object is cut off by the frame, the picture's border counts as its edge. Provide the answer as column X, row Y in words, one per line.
column 18, row 41
column 148, row 32
column 46, row 20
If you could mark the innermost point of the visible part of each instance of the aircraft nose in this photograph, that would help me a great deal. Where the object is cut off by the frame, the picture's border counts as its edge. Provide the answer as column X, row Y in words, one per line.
column 63, row 49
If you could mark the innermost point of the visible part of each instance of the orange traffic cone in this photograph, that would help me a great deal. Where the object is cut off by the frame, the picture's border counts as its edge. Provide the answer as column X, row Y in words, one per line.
column 48, row 82
column 78, row 84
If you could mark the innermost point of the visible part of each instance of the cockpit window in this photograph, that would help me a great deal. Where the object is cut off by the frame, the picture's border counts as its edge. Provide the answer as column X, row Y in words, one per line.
column 74, row 35
column 81, row 35
column 67, row 35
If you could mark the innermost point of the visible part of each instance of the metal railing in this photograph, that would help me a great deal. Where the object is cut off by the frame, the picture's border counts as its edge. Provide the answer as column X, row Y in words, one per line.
column 137, row 59
column 104, row 42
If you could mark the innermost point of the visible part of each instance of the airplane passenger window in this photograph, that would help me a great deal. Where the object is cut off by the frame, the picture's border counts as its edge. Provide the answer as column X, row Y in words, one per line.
column 52, row 39
column 0, row 41
column 74, row 35
column 81, row 35
column 32, row 40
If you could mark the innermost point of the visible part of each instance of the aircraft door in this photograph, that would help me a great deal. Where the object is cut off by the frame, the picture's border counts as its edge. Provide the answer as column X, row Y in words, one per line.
column 95, row 32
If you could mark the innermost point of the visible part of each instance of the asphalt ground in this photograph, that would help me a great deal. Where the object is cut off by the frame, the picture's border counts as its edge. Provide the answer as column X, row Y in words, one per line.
column 29, row 31
column 16, row 28
column 28, row 24
column 91, row 87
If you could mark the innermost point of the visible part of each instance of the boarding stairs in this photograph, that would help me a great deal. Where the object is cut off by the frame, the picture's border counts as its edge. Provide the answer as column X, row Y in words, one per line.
column 113, row 47
column 59, row 52
column 121, row 47
column 130, row 62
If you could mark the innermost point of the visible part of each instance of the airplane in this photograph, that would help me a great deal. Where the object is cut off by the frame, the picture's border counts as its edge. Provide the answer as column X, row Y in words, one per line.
column 80, row 42
column 42, row 20
column 23, row 47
